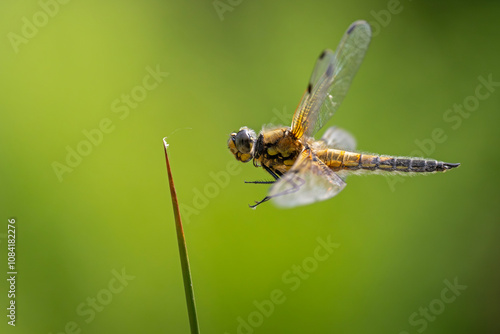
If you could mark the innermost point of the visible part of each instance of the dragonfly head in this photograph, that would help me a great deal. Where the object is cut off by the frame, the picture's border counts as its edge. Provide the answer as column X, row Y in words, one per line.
column 241, row 144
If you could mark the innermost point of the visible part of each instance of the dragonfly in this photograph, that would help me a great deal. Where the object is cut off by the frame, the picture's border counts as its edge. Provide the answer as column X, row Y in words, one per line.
column 306, row 170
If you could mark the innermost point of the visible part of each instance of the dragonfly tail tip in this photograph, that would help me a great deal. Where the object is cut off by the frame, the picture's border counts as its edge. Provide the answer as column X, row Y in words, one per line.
column 448, row 165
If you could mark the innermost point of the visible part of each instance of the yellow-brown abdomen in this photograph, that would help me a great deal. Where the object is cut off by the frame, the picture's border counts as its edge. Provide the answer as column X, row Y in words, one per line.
column 344, row 160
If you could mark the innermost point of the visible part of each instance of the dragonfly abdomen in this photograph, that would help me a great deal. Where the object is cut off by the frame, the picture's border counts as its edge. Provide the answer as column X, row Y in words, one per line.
column 344, row 160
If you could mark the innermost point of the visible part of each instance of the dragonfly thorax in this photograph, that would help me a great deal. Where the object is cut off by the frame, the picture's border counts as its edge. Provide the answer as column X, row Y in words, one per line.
column 277, row 149
column 241, row 144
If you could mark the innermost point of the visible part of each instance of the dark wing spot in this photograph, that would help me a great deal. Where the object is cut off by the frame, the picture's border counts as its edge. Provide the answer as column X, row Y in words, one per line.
column 329, row 70
column 309, row 88
column 351, row 28
column 322, row 55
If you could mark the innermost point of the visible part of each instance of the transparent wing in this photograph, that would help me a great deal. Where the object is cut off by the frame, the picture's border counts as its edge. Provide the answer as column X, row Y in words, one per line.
column 308, row 181
column 330, row 80
column 338, row 138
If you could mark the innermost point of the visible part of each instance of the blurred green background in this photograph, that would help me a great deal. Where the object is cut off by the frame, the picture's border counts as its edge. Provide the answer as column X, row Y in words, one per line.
column 221, row 65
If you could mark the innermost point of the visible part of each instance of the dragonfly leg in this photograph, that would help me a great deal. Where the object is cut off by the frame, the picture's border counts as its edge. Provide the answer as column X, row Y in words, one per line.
column 267, row 198
column 261, row 182
column 276, row 174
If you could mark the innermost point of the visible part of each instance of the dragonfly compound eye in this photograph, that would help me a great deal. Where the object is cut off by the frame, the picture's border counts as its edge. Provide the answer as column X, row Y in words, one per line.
column 241, row 144
column 244, row 140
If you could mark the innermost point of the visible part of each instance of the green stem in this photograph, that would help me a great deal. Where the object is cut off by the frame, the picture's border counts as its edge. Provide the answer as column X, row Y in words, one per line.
column 186, row 272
